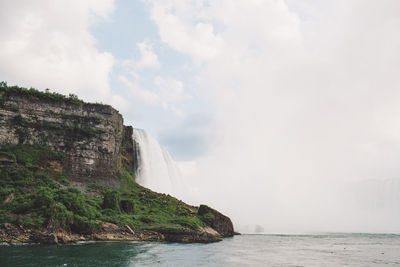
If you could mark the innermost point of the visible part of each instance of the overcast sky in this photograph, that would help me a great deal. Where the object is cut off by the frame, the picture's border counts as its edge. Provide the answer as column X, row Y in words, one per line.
column 283, row 98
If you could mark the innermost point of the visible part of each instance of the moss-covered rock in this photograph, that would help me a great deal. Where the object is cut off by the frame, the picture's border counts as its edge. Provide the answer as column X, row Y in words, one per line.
column 216, row 220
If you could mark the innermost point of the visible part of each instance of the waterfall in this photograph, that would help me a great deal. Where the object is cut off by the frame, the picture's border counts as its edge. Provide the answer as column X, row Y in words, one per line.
column 156, row 169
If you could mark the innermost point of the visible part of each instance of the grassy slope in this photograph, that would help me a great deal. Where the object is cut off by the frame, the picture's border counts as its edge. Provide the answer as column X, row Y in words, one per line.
column 34, row 192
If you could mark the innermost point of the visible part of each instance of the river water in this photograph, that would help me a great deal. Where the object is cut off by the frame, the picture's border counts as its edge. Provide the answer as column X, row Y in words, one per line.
column 244, row 250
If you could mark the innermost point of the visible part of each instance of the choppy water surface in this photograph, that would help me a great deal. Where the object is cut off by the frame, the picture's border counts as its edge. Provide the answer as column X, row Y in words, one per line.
column 245, row 250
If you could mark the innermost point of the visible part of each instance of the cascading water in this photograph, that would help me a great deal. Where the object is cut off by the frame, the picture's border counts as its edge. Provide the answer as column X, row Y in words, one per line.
column 156, row 169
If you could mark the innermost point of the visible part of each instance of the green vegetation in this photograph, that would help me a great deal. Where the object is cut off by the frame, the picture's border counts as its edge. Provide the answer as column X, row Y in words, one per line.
column 111, row 200
column 74, row 126
column 206, row 214
column 34, row 193
column 47, row 95
column 153, row 210
column 33, row 93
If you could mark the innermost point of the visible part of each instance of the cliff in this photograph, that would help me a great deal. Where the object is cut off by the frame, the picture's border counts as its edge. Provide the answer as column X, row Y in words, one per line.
column 92, row 136
column 67, row 173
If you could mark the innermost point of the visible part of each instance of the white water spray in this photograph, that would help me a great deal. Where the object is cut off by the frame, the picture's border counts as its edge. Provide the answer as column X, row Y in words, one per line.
column 157, row 170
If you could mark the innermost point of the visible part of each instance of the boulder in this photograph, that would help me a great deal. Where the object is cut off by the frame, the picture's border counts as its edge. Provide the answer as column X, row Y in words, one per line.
column 200, row 235
column 44, row 238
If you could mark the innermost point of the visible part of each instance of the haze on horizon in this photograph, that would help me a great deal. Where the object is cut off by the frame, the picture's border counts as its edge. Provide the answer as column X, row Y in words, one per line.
column 281, row 113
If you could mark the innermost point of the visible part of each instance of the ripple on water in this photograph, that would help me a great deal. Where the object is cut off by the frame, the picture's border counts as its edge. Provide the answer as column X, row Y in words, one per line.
column 245, row 250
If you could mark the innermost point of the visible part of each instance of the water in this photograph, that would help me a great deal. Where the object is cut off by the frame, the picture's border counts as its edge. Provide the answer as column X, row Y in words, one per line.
column 157, row 170
column 245, row 250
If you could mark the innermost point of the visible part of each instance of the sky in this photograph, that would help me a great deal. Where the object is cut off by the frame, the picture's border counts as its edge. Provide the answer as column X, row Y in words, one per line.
column 278, row 109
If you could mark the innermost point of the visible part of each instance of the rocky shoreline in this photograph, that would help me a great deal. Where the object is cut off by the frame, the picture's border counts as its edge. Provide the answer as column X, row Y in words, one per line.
column 219, row 226
column 11, row 234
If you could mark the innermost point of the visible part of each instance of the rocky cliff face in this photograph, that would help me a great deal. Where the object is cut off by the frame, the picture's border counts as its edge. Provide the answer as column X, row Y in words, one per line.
column 93, row 136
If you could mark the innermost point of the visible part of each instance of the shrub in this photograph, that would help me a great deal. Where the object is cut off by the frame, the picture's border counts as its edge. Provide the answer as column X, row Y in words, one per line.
column 61, row 215
column 126, row 180
column 45, row 180
column 44, row 198
column 47, row 95
column 20, row 205
column 73, row 200
column 83, row 225
column 7, row 155
column 5, row 192
column 207, row 218
column 62, row 179
column 146, row 219
column 203, row 209
column 111, row 200
column 127, row 205
column 191, row 222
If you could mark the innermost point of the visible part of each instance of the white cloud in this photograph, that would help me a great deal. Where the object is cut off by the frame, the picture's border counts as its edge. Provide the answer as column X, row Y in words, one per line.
column 182, row 32
column 167, row 92
column 135, row 89
column 47, row 44
column 148, row 58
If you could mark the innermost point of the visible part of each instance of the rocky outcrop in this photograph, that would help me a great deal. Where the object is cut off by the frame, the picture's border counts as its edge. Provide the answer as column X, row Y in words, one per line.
column 93, row 136
column 217, row 221
column 17, row 234
column 200, row 235
column 44, row 238
column 107, row 232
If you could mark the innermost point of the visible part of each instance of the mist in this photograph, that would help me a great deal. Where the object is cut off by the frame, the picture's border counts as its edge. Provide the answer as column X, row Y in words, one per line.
column 306, row 133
